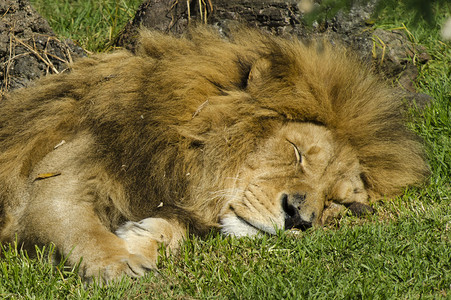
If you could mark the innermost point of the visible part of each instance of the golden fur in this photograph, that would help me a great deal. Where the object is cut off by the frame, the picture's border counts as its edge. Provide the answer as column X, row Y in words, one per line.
column 248, row 134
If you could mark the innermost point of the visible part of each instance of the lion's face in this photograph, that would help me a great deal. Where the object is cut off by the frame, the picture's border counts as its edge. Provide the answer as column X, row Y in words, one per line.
column 293, row 180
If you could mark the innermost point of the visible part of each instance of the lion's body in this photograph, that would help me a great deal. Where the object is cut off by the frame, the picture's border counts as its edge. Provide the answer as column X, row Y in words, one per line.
column 193, row 133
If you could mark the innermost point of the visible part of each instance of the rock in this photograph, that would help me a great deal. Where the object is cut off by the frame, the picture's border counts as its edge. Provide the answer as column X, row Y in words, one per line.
column 396, row 56
column 28, row 46
column 279, row 17
column 164, row 15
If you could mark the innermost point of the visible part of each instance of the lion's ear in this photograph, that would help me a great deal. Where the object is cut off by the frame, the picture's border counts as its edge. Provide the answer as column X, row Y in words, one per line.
column 259, row 70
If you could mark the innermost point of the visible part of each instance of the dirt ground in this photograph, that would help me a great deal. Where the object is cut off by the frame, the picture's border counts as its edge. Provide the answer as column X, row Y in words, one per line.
column 28, row 46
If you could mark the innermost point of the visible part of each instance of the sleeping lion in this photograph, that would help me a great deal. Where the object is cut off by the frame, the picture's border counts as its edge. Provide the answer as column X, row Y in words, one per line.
column 249, row 134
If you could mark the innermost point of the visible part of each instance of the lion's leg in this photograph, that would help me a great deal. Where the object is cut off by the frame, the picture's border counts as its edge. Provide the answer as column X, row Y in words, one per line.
column 67, row 209
column 62, row 211
column 61, row 200
column 79, row 235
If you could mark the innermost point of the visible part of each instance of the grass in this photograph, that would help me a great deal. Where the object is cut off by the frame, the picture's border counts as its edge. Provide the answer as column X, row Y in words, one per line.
column 93, row 23
column 401, row 252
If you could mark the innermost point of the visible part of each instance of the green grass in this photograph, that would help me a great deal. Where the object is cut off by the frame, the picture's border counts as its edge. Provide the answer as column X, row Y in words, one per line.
column 401, row 252
column 93, row 23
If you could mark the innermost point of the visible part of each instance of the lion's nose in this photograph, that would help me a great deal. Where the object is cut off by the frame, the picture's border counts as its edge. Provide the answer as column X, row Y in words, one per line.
column 292, row 217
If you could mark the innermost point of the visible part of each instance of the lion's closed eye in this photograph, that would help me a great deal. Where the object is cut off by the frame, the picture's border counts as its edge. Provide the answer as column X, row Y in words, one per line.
column 297, row 153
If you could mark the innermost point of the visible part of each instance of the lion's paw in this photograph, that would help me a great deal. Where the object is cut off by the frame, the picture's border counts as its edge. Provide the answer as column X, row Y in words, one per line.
column 114, row 269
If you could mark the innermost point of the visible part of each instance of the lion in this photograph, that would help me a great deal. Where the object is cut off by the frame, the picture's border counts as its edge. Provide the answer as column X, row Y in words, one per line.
column 249, row 134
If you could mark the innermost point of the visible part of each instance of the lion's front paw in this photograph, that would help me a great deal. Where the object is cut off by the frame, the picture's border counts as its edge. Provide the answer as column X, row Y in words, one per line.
column 114, row 268
column 146, row 236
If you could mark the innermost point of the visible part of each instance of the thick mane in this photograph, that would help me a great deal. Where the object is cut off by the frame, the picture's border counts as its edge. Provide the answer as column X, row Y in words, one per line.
column 329, row 85
column 318, row 83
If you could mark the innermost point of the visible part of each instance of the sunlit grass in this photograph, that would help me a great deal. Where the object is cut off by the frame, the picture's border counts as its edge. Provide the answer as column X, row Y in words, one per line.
column 92, row 23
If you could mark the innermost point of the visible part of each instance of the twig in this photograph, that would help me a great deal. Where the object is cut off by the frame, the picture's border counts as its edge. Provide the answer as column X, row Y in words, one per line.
column 204, row 7
column 189, row 11
column 8, row 66
column 47, row 62
column 6, row 12
column 382, row 45
column 45, row 54
column 200, row 9
column 68, row 55
column 199, row 108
